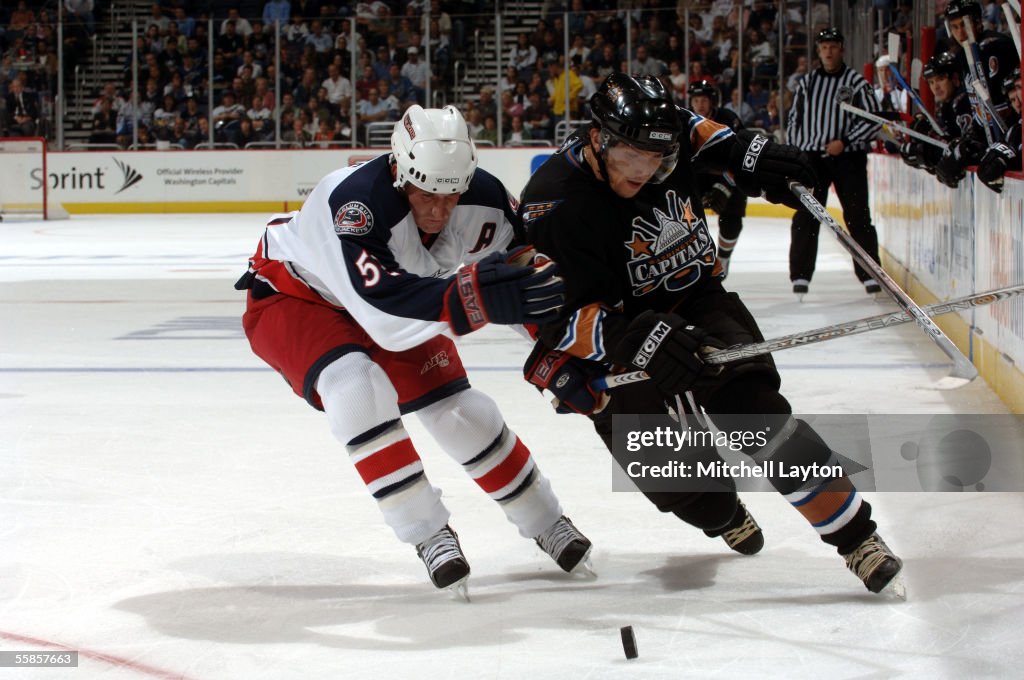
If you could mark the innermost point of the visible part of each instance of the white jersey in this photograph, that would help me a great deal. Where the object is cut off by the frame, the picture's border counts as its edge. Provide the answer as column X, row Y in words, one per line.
column 354, row 246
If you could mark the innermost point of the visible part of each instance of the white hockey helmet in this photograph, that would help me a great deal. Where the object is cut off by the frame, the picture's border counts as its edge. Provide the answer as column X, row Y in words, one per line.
column 433, row 150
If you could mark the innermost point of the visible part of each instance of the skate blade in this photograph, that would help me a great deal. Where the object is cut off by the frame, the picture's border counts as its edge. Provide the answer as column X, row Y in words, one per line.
column 895, row 589
column 584, row 568
column 460, row 589
column 800, row 297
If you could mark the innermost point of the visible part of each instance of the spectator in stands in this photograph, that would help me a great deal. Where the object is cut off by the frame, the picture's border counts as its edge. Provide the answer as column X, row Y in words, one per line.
column 646, row 65
column 538, row 118
column 556, row 90
column 394, row 105
column 261, row 42
column 757, row 96
column 186, row 24
column 382, row 64
column 365, row 83
column 249, row 60
column 276, row 10
column 372, row 110
column 242, row 25
column 262, row 118
column 230, row 43
column 245, row 134
column 307, row 87
column 801, row 70
column 487, row 105
column 518, row 133
column 226, row 116
column 297, row 30
column 740, row 108
column 339, row 89
column 156, row 18
column 297, row 134
column 677, row 82
column 475, row 123
column 109, row 93
column 523, row 57
column 163, row 119
column 510, row 107
column 321, row 40
column 418, row 73
column 104, row 123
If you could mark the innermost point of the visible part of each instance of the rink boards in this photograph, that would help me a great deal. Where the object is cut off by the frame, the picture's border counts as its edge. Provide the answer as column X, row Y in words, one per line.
column 941, row 243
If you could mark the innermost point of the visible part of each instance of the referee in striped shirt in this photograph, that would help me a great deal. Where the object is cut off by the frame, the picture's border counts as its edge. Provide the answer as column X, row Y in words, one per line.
column 837, row 143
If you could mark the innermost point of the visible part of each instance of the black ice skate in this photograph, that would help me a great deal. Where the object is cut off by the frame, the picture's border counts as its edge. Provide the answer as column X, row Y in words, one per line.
column 872, row 288
column 876, row 565
column 742, row 534
column 447, row 566
column 569, row 548
column 800, row 288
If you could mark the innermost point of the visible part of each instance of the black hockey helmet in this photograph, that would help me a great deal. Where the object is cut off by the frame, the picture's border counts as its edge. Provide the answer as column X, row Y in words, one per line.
column 1011, row 81
column 943, row 64
column 637, row 111
column 702, row 88
column 831, row 34
column 963, row 8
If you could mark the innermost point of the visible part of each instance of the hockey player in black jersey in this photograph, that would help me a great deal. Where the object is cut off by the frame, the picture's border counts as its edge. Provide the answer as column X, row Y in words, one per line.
column 997, row 51
column 619, row 210
column 954, row 113
column 1005, row 155
column 717, row 192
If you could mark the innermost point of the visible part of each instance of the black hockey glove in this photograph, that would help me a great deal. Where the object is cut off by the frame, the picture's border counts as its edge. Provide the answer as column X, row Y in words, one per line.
column 949, row 170
column 667, row 348
column 717, row 196
column 762, row 167
column 568, row 378
column 996, row 161
column 492, row 291
column 912, row 153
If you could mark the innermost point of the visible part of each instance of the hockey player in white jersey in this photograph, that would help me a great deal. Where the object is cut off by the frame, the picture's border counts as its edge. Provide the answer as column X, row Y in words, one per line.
column 353, row 300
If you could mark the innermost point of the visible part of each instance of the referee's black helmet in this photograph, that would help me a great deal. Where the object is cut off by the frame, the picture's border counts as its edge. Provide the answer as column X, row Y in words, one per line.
column 830, row 35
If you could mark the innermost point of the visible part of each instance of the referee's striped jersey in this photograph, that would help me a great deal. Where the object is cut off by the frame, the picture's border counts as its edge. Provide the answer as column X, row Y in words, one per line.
column 815, row 118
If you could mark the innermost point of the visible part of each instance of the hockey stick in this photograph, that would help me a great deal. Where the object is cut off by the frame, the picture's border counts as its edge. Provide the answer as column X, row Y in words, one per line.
column 839, row 330
column 1013, row 25
column 911, row 93
column 963, row 370
column 993, row 123
column 893, row 126
column 1015, row 4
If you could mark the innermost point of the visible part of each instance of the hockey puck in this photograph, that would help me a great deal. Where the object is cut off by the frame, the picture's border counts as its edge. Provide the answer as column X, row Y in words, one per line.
column 628, row 642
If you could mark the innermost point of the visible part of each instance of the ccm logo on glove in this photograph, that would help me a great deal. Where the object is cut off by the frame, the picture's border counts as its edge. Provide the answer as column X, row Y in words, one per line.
column 651, row 344
column 753, row 151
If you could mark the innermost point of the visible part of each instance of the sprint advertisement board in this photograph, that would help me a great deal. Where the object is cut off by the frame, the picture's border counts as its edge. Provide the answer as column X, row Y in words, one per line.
column 191, row 181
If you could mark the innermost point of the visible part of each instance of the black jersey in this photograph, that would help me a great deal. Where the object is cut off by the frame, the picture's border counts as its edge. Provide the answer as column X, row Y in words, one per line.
column 727, row 118
column 620, row 256
column 998, row 59
column 956, row 114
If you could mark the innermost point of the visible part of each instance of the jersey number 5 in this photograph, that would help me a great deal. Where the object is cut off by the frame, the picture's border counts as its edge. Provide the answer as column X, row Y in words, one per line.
column 369, row 269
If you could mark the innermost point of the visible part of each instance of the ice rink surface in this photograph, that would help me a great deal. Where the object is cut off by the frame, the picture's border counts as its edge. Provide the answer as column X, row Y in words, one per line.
column 169, row 508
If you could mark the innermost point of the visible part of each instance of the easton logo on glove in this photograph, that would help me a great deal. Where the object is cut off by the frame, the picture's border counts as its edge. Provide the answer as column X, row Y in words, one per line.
column 753, row 151
column 651, row 344
column 465, row 284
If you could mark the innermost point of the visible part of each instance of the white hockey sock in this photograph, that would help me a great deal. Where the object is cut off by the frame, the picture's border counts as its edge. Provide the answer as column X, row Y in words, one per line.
column 469, row 427
column 362, row 408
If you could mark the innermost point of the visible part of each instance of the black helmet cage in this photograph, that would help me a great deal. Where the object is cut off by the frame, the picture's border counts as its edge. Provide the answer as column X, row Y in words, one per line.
column 637, row 111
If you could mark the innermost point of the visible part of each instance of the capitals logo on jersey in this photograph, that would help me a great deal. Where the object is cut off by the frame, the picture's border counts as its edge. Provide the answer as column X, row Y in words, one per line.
column 353, row 219
column 671, row 250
